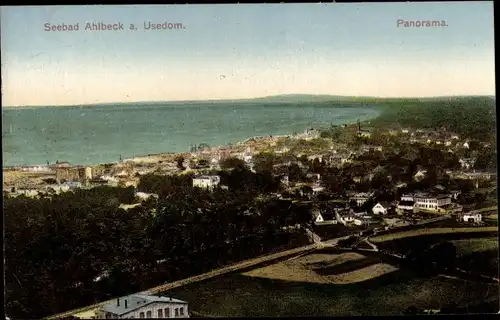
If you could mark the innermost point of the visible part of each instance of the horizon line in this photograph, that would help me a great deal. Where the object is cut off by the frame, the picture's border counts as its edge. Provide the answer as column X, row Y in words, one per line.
column 250, row 99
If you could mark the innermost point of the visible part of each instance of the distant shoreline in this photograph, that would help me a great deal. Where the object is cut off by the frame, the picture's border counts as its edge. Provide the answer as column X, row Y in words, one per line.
column 286, row 98
column 152, row 156
column 221, row 138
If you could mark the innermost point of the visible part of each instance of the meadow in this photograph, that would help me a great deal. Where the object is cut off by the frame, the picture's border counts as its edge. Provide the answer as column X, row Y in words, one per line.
column 329, row 282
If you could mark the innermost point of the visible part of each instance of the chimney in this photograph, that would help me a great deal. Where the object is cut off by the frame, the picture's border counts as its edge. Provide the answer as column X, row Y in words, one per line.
column 125, row 304
column 170, row 298
column 118, row 302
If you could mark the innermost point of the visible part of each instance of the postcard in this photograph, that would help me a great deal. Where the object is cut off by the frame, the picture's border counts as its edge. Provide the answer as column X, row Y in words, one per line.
column 249, row 160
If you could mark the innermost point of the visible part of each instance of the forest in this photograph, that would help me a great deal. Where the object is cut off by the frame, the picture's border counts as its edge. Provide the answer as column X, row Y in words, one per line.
column 472, row 117
column 57, row 247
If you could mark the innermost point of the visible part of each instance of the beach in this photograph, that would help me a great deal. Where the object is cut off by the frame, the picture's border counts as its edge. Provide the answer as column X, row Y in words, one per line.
column 106, row 134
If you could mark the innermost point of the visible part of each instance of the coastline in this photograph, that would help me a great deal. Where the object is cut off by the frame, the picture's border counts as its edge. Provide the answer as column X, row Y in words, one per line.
column 171, row 130
column 155, row 158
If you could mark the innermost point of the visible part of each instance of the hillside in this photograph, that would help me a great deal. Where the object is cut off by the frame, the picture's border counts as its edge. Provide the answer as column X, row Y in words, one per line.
column 473, row 117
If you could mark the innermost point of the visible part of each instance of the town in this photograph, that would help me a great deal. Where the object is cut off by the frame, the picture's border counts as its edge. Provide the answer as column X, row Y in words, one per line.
column 396, row 172
column 352, row 180
column 249, row 161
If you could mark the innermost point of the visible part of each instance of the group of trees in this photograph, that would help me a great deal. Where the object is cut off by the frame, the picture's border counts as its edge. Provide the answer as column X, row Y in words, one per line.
column 56, row 247
column 472, row 117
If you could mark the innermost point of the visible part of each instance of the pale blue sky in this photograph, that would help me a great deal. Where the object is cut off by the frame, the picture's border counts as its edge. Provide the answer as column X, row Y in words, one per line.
column 262, row 49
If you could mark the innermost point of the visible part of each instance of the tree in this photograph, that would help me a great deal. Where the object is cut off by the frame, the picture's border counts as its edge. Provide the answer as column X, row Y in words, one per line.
column 306, row 190
column 412, row 310
column 50, row 181
column 264, row 162
column 380, row 181
column 368, row 205
column 57, row 246
column 486, row 160
column 317, row 166
column 295, row 173
column 180, row 163
column 232, row 163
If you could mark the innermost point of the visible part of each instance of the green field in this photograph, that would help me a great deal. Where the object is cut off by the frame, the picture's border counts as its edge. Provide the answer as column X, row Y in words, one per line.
column 429, row 231
column 469, row 246
column 492, row 208
column 297, row 288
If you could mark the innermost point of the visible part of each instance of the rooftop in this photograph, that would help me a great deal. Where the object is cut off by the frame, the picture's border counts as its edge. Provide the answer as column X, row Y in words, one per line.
column 136, row 301
column 385, row 204
column 206, row 177
column 406, row 203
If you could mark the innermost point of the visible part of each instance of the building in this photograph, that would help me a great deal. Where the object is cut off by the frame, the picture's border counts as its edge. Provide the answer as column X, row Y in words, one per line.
column 431, row 202
column 145, row 195
column 37, row 169
column 284, row 180
column 28, row 192
column 223, row 153
column 467, row 163
column 206, row 181
column 88, row 173
column 314, row 176
column 406, row 204
column 363, row 221
column 70, row 173
column 348, row 218
column 407, row 197
column 395, row 222
column 381, row 208
column 317, row 188
column 363, row 133
column 471, row 217
column 455, row 193
column 72, row 185
column 360, row 198
column 324, row 218
column 144, row 306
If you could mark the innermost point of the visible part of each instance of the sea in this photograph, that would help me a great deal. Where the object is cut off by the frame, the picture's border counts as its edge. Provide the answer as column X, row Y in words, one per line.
column 104, row 133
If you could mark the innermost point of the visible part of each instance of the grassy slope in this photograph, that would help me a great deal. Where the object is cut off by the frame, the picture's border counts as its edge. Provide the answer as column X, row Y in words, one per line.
column 469, row 246
column 429, row 231
column 390, row 294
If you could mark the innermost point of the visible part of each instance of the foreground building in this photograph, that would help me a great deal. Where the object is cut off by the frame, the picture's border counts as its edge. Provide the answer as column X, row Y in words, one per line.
column 144, row 306
column 469, row 217
column 206, row 181
column 425, row 201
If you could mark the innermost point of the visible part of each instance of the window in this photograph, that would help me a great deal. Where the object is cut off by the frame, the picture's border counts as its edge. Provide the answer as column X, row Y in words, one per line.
column 141, row 315
column 176, row 312
column 148, row 314
column 167, row 313
column 182, row 311
column 160, row 313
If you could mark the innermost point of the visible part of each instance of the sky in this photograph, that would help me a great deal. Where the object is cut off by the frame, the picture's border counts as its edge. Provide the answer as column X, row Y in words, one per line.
column 244, row 51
